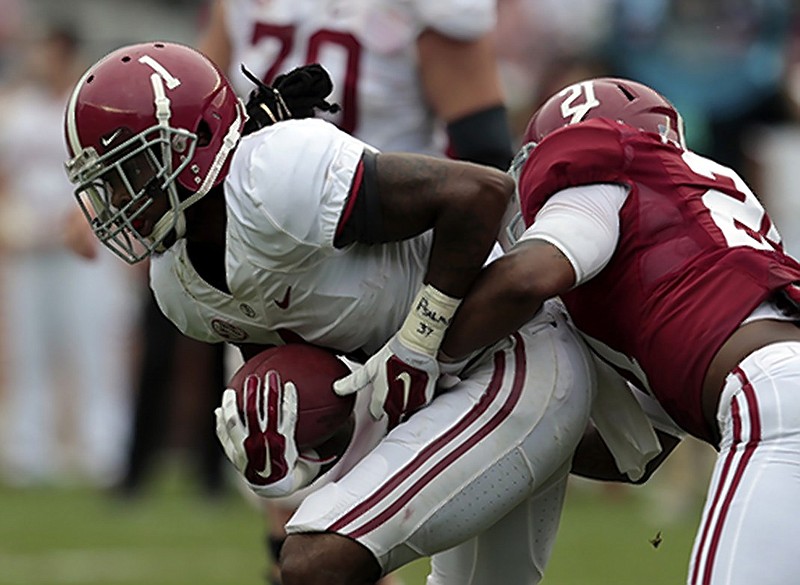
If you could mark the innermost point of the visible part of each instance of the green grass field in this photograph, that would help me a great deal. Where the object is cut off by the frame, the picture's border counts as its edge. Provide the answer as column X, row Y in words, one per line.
column 174, row 537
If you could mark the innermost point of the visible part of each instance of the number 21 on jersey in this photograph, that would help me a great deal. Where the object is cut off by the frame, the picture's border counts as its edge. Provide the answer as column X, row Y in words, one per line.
column 742, row 221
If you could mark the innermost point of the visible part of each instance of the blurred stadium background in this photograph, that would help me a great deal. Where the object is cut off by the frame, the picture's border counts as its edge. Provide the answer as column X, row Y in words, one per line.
column 741, row 101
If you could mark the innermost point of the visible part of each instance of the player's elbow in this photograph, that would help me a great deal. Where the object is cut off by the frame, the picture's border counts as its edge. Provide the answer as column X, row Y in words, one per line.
column 486, row 191
column 481, row 199
column 499, row 188
column 473, row 208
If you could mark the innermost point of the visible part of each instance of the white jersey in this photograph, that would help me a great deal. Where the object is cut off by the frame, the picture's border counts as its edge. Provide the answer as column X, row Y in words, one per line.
column 368, row 47
column 285, row 192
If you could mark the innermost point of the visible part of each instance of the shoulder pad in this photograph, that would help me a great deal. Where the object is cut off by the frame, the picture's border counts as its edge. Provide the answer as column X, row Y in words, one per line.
column 581, row 154
column 291, row 183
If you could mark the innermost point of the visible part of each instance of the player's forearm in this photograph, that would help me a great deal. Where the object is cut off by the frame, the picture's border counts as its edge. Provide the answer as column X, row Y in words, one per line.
column 214, row 41
column 465, row 230
column 494, row 308
column 506, row 295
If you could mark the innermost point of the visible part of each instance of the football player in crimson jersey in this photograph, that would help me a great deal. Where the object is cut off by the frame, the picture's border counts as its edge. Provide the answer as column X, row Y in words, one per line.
column 265, row 225
column 676, row 276
column 402, row 72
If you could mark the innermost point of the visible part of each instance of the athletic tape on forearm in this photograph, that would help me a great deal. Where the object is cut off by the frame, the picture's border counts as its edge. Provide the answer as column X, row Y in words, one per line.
column 430, row 316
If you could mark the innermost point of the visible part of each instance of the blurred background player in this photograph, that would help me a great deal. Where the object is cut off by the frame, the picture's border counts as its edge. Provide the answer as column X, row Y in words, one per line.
column 402, row 71
column 66, row 371
column 417, row 76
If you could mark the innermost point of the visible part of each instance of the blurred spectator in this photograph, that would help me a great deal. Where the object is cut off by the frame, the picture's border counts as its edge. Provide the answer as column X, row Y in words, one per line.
column 66, row 372
column 776, row 149
column 10, row 25
column 170, row 363
column 175, row 378
column 179, row 382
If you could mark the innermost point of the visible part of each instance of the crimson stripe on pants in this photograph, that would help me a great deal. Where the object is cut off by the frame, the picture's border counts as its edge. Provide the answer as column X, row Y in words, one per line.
column 724, row 503
column 434, row 448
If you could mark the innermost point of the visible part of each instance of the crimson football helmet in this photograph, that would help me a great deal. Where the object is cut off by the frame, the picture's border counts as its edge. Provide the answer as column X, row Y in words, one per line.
column 624, row 100
column 141, row 121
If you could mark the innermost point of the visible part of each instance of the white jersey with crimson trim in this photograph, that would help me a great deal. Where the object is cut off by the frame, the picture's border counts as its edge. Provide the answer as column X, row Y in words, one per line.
column 285, row 192
column 368, row 47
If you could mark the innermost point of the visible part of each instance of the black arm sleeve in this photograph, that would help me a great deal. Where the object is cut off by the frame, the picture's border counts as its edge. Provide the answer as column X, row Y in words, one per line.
column 483, row 137
column 361, row 219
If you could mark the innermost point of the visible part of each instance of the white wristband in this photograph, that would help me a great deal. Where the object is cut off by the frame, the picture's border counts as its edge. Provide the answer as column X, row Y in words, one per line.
column 430, row 316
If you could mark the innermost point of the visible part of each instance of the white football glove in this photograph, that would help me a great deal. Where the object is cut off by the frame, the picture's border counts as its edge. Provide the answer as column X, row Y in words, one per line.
column 403, row 381
column 259, row 438
column 404, row 372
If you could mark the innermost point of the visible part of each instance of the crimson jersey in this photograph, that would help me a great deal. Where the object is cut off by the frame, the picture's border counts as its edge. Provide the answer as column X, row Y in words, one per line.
column 696, row 255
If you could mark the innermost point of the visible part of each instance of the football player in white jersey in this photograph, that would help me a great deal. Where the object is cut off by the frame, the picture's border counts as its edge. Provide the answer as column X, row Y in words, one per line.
column 403, row 71
column 267, row 226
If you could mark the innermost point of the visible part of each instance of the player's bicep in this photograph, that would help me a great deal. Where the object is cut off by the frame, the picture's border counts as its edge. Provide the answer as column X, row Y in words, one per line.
column 399, row 196
column 583, row 223
column 543, row 268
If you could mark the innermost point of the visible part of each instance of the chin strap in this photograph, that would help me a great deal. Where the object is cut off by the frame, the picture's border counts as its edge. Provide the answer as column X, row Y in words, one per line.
column 228, row 144
column 175, row 218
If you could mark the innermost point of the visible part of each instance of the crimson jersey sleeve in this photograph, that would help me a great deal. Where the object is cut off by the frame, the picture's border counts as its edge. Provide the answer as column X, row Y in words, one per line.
column 696, row 255
column 590, row 152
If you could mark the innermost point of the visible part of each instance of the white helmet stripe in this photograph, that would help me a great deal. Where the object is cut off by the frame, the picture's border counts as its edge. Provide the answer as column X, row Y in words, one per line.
column 171, row 81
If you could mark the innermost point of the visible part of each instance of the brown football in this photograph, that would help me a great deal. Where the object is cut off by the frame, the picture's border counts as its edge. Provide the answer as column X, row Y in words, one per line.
column 321, row 412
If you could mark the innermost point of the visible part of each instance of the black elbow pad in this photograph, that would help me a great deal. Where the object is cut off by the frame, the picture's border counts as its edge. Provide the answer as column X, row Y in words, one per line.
column 483, row 137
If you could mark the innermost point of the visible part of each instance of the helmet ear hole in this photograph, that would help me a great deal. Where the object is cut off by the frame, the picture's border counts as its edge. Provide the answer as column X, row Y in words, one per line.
column 203, row 134
column 627, row 92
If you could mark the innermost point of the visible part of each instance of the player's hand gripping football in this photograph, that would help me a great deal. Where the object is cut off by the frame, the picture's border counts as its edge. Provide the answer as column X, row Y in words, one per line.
column 258, row 436
column 405, row 371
